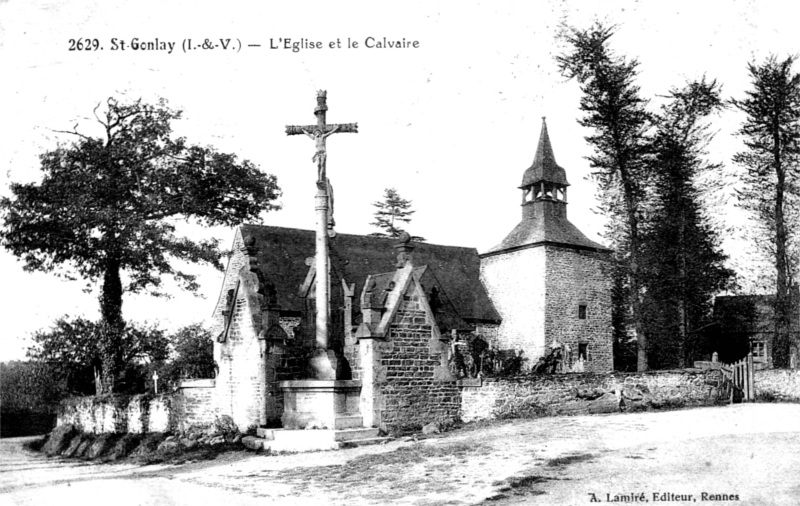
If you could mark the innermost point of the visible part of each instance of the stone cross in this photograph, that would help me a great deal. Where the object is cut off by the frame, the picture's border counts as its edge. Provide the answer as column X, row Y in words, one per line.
column 319, row 132
column 323, row 200
column 155, row 381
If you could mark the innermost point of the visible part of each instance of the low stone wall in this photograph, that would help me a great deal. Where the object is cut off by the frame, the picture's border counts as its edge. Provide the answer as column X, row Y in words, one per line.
column 778, row 385
column 192, row 405
column 567, row 394
column 119, row 414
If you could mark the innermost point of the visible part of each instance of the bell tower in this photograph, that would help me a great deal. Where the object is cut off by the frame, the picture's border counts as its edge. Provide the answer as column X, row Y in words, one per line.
column 544, row 184
column 548, row 281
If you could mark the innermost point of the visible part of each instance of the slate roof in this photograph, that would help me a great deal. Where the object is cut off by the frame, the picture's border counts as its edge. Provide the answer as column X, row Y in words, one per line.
column 547, row 223
column 282, row 254
column 544, row 167
column 546, row 226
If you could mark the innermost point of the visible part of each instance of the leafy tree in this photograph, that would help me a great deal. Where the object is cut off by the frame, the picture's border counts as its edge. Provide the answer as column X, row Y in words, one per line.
column 391, row 211
column 194, row 354
column 107, row 206
column 617, row 115
column 684, row 266
column 771, row 133
column 72, row 351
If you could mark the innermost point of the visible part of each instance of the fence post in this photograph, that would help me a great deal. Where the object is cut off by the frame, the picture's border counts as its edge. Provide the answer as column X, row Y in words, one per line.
column 748, row 396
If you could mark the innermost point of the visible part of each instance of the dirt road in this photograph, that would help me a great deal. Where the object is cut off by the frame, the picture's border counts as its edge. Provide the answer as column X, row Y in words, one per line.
column 743, row 455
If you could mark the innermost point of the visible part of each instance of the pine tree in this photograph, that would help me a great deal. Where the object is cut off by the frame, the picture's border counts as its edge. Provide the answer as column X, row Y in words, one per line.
column 391, row 212
column 771, row 133
column 684, row 266
column 616, row 113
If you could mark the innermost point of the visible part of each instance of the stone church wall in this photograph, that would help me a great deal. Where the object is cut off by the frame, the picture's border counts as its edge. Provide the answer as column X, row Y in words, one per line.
column 538, row 291
column 515, row 284
column 580, row 278
column 415, row 386
column 241, row 381
column 489, row 333
column 249, row 368
column 236, row 354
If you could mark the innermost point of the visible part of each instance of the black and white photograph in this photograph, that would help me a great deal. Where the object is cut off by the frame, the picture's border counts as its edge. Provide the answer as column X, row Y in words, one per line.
column 442, row 253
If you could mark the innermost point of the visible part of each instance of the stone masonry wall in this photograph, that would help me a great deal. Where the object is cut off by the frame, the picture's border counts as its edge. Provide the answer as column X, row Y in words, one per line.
column 284, row 363
column 515, row 284
column 241, row 382
column 574, row 278
column 250, row 369
column 489, row 332
column 120, row 414
column 225, row 353
column 414, row 394
column 778, row 385
column 548, row 395
column 191, row 405
column 415, row 386
column 195, row 402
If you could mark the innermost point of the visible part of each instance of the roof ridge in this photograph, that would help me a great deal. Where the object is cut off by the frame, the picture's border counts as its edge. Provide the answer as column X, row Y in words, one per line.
column 368, row 236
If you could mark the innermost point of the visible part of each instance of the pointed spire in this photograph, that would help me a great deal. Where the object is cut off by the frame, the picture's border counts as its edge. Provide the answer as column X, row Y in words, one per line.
column 544, row 167
column 544, row 150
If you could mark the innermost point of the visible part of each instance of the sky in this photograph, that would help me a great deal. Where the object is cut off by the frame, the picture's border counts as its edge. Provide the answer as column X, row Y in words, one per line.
column 452, row 124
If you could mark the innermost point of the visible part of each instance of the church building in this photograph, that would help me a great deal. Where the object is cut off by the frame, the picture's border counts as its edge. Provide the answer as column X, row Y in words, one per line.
column 408, row 321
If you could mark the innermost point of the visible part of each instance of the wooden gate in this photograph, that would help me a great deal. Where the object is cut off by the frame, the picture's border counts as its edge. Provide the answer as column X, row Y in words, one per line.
column 738, row 380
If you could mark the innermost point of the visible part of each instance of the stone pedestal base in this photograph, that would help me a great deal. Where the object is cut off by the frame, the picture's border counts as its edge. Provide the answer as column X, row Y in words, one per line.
column 321, row 404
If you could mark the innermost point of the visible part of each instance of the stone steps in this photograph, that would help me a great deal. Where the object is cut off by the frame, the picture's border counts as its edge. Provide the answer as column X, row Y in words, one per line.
column 353, row 434
column 348, row 422
column 288, row 440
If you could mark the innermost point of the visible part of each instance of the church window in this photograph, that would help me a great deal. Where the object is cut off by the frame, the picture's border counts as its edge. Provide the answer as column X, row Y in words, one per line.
column 583, row 351
column 582, row 311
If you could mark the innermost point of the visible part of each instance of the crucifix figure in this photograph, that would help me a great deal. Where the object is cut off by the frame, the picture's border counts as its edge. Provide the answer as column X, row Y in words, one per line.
column 319, row 132
column 321, row 156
